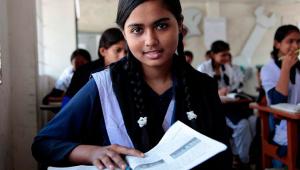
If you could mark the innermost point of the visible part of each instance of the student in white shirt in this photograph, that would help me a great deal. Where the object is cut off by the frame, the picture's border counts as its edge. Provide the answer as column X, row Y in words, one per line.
column 242, row 124
column 78, row 58
column 281, row 76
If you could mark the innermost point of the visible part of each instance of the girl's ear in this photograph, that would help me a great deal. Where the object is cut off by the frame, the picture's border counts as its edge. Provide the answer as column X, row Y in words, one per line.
column 102, row 51
column 276, row 44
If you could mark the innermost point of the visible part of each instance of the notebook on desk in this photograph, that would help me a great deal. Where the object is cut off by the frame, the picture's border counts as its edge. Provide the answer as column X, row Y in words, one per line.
column 292, row 108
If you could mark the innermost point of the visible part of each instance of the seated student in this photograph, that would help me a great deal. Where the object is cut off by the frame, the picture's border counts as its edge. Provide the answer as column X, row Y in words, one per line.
column 281, row 76
column 152, row 82
column 242, row 124
column 238, row 76
column 188, row 56
column 112, row 47
column 78, row 58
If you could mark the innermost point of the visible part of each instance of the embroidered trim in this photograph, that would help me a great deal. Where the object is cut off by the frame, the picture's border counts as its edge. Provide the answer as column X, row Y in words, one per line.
column 142, row 121
column 191, row 115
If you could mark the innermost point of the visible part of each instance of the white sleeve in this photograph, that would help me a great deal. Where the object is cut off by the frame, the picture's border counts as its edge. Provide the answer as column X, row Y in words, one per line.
column 269, row 77
column 64, row 80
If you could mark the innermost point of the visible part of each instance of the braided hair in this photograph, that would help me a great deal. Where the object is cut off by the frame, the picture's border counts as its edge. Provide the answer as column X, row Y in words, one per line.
column 134, row 68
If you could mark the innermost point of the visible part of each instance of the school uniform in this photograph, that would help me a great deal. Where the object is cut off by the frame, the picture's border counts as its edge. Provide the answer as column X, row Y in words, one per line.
column 270, row 74
column 103, row 113
column 81, row 77
column 238, row 117
column 64, row 79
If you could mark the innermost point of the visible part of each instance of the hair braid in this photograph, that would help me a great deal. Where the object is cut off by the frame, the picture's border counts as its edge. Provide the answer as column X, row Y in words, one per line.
column 183, row 74
column 136, row 78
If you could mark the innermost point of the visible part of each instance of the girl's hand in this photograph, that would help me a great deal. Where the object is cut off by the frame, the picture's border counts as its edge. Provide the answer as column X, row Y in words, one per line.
column 110, row 156
column 223, row 91
column 289, row 60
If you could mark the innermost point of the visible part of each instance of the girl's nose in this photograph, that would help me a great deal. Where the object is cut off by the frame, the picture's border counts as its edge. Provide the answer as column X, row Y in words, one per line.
column 151, row 39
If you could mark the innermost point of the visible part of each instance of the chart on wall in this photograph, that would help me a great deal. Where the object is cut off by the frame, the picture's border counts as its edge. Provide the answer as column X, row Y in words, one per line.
column 192, row 19
column 214, row 29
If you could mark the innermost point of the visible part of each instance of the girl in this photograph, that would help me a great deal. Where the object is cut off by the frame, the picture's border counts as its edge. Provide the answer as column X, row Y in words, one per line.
column 238, row 117
column 112, row 47
column 281, row 75
column 152, row 83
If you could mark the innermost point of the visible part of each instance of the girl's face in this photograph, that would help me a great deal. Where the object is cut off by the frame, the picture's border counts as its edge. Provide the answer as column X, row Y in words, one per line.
column 113, row 53
column 152, row 33
column 78, row 61
column 221, row 57
column 289, row 44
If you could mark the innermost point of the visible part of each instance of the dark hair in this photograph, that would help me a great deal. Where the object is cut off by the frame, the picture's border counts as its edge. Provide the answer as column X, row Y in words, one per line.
column 125, row 8
column 280, row 34
column 216, row 47
column 189, row 53
column 81, row 52
column 109, row 37
column 219, row 46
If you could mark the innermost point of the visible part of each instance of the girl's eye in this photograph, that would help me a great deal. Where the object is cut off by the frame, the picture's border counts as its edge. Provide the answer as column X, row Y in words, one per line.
column 161, row 26
column 119, row 50
column 136, row 30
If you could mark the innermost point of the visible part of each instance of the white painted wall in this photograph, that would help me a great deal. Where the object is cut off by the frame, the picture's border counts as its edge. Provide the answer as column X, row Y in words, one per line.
column 19, row 49
column 56, row 41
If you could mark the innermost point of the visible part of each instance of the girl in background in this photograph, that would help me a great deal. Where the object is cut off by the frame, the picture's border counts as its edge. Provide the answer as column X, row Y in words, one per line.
column 239, row 118
column 281, row 77
column 112, row 47
column 153, row 83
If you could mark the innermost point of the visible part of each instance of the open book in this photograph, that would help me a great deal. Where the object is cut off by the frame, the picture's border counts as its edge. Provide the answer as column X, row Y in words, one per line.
column 291, row 108
column 180, row 148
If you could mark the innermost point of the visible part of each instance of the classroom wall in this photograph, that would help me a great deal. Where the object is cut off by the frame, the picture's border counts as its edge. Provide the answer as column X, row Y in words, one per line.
column 18, row 91
column 5, row 93
column 23, row 75
column 56, row 40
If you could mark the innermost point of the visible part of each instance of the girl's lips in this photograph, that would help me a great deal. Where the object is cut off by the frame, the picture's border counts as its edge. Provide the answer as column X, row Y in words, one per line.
column 153, row 54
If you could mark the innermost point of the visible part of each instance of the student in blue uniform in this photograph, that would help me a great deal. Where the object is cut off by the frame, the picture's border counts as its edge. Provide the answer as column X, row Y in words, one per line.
column 281, row 76
column 102, row 121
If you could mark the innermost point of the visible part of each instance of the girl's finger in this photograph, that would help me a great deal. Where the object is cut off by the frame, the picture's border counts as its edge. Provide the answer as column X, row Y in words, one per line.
column 107, row 162
column 126, row 151
column 98, row 164
column 117, row 159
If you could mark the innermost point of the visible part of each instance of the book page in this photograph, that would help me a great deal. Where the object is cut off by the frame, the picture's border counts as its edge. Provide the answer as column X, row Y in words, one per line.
column 288, row 107
column 181, row 148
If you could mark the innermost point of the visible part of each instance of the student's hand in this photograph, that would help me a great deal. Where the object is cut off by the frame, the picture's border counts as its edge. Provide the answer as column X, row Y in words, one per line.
column 110, row 156
column 289, row 60
column 223, row 91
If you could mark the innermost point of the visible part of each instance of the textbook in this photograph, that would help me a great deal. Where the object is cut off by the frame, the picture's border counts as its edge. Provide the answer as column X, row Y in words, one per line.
column 181, row 148
column 291, row 108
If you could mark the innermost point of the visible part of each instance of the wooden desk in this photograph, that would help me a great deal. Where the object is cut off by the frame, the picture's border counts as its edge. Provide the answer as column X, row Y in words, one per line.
column 269, row 150
column 47, row 112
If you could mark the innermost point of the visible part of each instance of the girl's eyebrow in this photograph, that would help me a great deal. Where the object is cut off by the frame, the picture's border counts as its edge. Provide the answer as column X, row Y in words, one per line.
column 155, row 22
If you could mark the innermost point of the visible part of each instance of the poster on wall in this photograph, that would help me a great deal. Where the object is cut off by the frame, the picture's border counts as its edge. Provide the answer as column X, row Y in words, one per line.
column 214, row 29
